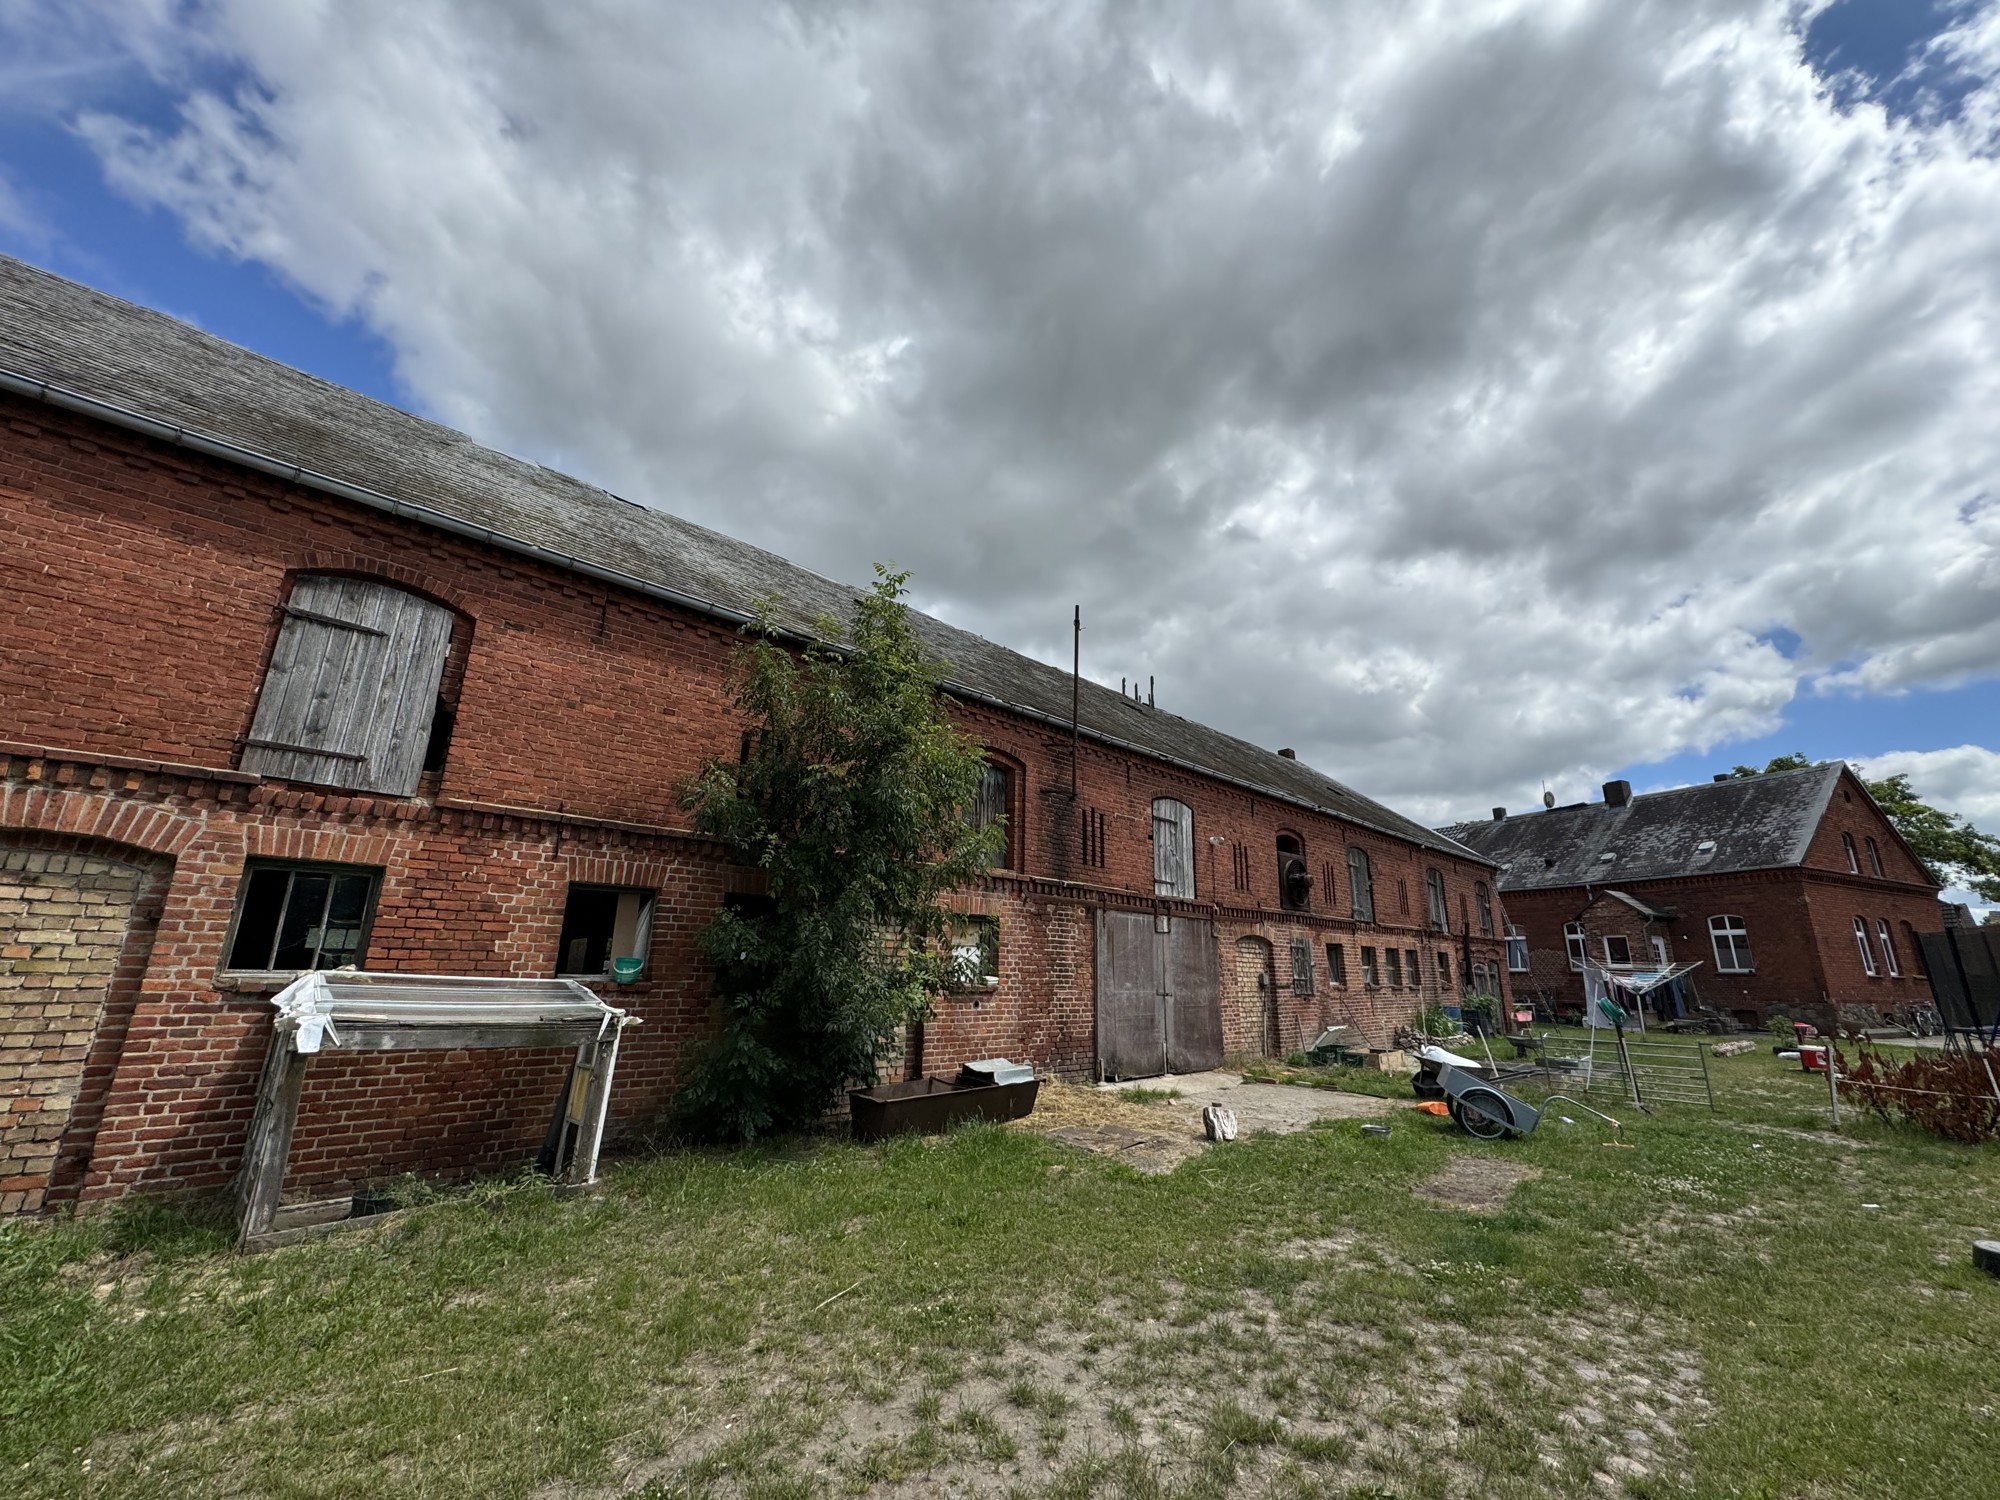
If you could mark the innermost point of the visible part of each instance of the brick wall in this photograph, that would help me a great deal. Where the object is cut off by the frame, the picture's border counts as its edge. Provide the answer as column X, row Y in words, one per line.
column 140, row 621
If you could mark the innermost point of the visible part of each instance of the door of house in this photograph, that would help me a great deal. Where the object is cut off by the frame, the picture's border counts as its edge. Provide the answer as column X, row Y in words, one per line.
column 1159, row 996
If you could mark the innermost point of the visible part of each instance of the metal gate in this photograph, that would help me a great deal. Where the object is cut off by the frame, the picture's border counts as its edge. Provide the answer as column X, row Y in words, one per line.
column 1658, row 1072
column 1159, row 995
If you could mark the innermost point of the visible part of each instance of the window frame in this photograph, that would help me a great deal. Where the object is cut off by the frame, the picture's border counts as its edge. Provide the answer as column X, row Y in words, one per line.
column 1867, row 953
column 1336, row 965
column 1434, row 895
column 981, row 816
column 643, row 933
column 1623, row 941
column 1739, row 939
column 1576, row 944
column 1360, row 884
column 1853, row 859
column 1392, row 968
column 1297, row 852
column 1371, row 976
column 1875, row 858
column 1517, row 940
column 1482, row 898
column 976, row 930
column 294, row 868
column 1888, row 942
column 1182, row 822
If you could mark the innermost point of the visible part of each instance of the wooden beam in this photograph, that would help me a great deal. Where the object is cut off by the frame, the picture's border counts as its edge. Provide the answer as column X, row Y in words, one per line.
column 262, row 1176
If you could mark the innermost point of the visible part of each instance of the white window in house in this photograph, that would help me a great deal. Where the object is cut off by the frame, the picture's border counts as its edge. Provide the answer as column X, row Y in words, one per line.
column 1577, row 944
column 1867, row 953
column 1369, row 977
column 1888, row 950
column 351, row 694
column 601, row 925
column 1874, row 858
column 1517, row 950
column 1361, row 885
column 1731, row 941
column 1173, row 849
column 1617, row 949
column 291, row 917
column 1663, row 959
column 1440, row 914
column 1847, row 847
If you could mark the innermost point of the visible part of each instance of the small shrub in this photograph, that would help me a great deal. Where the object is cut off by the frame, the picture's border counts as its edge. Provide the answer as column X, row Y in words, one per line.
column 1950, row 1094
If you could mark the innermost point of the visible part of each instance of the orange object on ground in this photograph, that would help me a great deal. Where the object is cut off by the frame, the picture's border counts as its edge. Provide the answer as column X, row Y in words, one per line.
column 1433, row 1107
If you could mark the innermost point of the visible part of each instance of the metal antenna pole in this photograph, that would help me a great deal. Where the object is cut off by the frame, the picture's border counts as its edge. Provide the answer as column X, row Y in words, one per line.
column 1075, row 690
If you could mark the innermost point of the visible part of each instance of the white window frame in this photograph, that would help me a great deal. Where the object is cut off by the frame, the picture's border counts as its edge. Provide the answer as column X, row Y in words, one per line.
column 1735, row 932
column 1605, row 941
column 1888, row 948
column 1517, row 949
column 1577, row 943
column 1662, row 954
column 1867, row 953
column 1853, row 859
column 1875, row 859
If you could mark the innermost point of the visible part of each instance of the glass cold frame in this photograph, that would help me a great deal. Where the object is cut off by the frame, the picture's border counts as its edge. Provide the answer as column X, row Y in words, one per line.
column 293, row 918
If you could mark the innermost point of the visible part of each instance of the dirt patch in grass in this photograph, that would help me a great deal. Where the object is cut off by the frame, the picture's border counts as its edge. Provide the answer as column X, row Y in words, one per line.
column 1478, row 1184
column 1061, row 1105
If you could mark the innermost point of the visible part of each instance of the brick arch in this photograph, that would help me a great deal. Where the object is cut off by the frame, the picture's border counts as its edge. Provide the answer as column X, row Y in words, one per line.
column 352, row 564
column 83, row 814
column 82, row 994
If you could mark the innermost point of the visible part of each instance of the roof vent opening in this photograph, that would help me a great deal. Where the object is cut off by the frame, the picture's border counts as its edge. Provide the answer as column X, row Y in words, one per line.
column 1721, row 776
column 1705, row 847
column 1606, row 857
column 1499, row 814
column 1289, row 753
column 1617, row 793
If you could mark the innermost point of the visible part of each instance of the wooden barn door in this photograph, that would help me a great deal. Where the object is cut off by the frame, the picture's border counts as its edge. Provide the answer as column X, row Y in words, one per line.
column 1159, row 997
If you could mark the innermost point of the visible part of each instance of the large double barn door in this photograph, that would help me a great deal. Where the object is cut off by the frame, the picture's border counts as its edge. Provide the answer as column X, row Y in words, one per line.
column 1159, row 995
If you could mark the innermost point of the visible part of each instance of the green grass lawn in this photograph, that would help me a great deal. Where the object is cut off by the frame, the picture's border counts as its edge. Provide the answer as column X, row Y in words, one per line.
column 1717, row 1310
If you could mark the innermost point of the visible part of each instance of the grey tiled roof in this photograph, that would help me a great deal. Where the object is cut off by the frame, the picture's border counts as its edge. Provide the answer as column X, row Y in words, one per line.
column 54, row 332
column 1753, row 823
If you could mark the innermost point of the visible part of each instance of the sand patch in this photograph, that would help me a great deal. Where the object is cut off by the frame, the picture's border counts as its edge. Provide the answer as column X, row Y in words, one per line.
column 1477, row 1184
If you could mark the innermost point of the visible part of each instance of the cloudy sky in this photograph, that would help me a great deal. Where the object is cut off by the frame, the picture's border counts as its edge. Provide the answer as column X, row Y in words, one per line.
column 1474, row 394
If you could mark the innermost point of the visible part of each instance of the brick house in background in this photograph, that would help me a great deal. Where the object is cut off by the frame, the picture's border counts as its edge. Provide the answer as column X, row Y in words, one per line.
column 1792, row 890
column 294, row 679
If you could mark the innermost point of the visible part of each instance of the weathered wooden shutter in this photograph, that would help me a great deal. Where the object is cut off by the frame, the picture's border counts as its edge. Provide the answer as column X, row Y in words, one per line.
column 352, row 687
column 1302, row 966
column 1173, row 849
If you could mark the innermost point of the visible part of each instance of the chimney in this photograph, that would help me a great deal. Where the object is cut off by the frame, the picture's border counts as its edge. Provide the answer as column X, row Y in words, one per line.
column 1499, row 814
column 1617, row 793
column 1289, row 753
column 1722, row 776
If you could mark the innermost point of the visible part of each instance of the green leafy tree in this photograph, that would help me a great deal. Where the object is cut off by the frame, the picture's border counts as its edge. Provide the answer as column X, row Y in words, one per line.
column 849, row 798
column 1951, row 848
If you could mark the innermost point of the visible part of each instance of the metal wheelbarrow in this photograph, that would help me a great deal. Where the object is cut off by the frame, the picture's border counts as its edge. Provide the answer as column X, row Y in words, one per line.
column 1489, row 1112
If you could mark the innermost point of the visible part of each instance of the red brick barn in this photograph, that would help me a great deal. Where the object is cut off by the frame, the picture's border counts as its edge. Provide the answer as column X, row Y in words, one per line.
column 292, row 679
column 1792, row 890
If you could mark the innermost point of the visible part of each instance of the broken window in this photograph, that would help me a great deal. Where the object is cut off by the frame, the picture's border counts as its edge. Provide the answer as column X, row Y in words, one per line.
column 1336, row 963
column 1577, row 944
column 1369, row 977
column 1517, row 950
column 1360, row 885
column 1731, row 941
column 1302, row 966
column 1484, row 898
column 1295, row 882
column 1440, row 914
column 292, row 917
column 350, row 698
column 994, row 803
column 976, row 953
column 602, row 924
column 1173, row 849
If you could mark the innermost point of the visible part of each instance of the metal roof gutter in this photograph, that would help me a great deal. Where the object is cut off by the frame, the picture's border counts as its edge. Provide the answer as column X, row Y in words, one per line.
column 183, row 436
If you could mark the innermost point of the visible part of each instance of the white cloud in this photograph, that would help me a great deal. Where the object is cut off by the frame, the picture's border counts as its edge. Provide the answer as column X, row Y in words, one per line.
column 1460, row 392
column 1964, row 780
